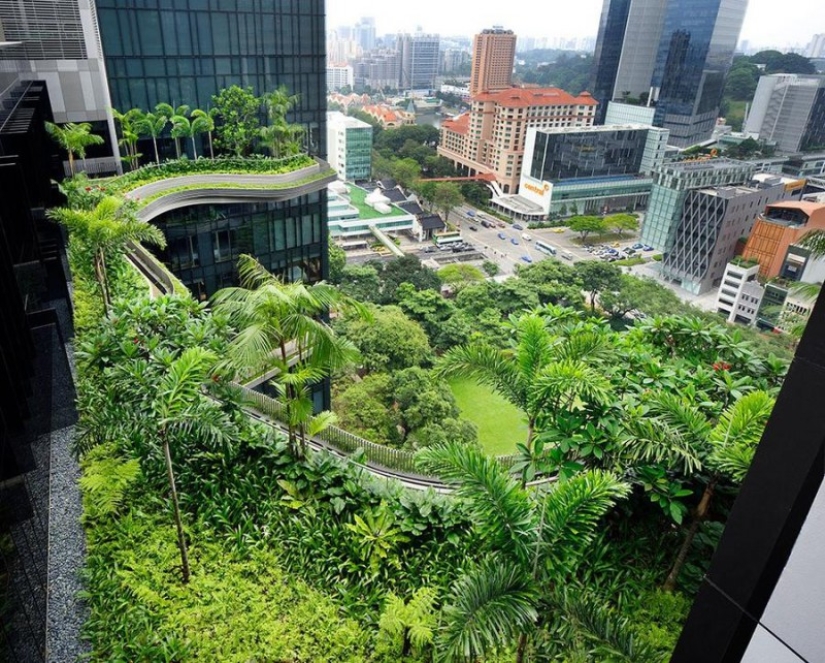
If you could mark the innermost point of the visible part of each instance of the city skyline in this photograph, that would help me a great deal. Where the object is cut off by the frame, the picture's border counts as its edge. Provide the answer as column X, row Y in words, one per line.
column 764, row 25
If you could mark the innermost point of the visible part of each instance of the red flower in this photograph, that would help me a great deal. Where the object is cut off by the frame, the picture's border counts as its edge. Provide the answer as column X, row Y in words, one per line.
column 88, row 188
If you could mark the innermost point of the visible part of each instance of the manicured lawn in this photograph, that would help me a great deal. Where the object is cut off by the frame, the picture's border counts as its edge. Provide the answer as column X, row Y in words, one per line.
column 358, row 196
column 500, row 424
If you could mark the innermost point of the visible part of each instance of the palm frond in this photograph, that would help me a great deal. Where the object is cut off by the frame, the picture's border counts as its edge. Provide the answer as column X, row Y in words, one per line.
column 814, row 241
column 488, row 608
column 572, row 511
column 180, row 386
column 563, row 383
column 735, row 438
column 497, row 504
column 651, row 440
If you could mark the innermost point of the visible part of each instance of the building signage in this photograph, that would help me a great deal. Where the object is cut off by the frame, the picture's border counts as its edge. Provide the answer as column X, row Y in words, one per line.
column 536, row 191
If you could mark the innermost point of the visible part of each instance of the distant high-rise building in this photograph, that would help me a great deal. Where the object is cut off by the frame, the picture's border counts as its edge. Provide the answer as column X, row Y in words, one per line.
column 349, row 143
column 419, row 61
column 338, row 76
column 452, row 59
column 377, row 70
column 671, row 53
column 365, row 33
column 816, row 49
column 494, row 51
column 789, row 110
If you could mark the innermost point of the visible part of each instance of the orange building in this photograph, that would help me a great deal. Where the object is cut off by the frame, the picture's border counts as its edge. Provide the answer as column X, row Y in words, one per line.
column 776, row 229
column 490, row 137
column 388, row 116
column 494, row 52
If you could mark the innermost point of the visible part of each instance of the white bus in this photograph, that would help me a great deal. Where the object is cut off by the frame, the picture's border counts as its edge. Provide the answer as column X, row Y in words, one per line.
column 544, row 247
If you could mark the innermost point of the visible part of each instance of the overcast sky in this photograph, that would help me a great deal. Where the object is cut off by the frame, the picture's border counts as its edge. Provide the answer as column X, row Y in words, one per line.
column 767, row 22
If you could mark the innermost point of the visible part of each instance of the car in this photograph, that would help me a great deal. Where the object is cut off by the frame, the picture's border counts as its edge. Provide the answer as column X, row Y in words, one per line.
column 646, row 247
column 502, row 236
column 518, row 226
column 567, row 255
column 470, row 213
column 487, row 224
column 429, row 249
column 501, row 224
column 526, row 237
column 513, row 240
column 628, row 251
column 527, row 259
column 474, row 228
column 557, row 230
column 637, row 246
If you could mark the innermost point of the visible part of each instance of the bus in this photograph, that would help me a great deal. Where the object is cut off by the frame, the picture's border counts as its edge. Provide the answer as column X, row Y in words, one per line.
column 544, row 247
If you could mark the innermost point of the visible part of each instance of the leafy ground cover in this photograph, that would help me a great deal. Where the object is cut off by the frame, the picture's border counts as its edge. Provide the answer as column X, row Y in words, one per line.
column 500, row 424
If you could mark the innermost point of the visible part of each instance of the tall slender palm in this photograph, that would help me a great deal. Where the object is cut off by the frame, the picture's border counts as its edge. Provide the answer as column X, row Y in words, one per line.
column 183, row 128
column 675, row 434
column 533, row 541
column 152, row 125
column 542, row 375
column 177, row 409
column 281, row 328
column 205, row 123
column 168, row 111
column 281, row 137
column 105, row 231
column 129, row 134
column 74, row 138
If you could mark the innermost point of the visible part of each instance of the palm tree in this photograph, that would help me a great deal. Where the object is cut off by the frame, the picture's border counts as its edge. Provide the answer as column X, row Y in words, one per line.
column 153, row 124
column 281, row 137
column 281, row 328
column 542, row 375
column 177, row 409
column 203, row 122
column 170, row 114
column 129, row 134
column 533, row 541
column 182, row 128
column 675, row 434
column 74, row 138
column 105, row 231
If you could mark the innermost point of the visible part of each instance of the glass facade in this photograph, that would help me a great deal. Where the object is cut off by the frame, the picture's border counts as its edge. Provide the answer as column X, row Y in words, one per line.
column 358, row 153
column 582, row 154
column 204, row 241
column 609, row 44
column 185, row 51
column 695, row 52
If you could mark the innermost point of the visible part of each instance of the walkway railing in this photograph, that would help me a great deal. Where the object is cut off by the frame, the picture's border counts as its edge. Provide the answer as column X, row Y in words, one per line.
column 393, row 462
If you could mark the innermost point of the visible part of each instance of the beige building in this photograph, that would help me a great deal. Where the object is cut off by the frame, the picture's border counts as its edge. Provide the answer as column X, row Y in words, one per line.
column 494, row 52
column 490, row 137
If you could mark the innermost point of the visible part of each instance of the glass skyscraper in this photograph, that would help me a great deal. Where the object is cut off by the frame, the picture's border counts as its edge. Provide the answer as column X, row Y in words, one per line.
column 675, row 53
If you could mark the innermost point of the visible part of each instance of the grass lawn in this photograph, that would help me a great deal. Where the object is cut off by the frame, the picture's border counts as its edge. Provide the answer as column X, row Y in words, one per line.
column 500, row 424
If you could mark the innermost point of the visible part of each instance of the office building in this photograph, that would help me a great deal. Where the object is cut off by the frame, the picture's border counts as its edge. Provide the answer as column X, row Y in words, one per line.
column 622, row 113
column 816, row 49
column 338, row 76
column 453, row 59
column 490, row 137
column 591, row 170
column 494, row 53
column 349, row 143
column 419, row 57
column 671, row 184
column 377, row 71
column 59, row 43
column 740, row 293
column 673, row 54
column 713, row 222
column 365, row 34
column 776, row 232
column 788, row 111
column 185, row 52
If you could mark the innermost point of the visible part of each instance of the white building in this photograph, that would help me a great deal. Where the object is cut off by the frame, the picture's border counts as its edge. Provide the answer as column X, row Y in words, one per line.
column 740, row 294
column 338, row 76
column 349, row 146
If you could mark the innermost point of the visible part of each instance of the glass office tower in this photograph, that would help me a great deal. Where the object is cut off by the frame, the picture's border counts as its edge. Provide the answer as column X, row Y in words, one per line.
column 185, row 51
column 695, row 52
column 609, row 44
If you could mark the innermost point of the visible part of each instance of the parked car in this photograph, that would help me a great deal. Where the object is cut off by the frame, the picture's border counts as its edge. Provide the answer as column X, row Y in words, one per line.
column 518, row 226
column 526, row 258
column 502, row 236
column 567, row 255
column 513, row 240
column 487, row 224
column 526, row 237
column 647, row 248
column 629, row 251
column 474, row 228
column 637, row 246
column 429, row 249
column 470, row 213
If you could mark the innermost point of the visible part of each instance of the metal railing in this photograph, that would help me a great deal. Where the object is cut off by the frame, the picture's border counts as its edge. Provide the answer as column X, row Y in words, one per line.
column 397, row 462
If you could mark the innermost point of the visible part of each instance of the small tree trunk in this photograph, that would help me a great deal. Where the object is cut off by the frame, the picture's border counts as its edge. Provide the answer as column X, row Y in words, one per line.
column 157, row 154
column 184, row 555
column 177, row 147
column 100, row 273
column 71, row 163
column 700, row 514
column 406, row 645
column 211, row 152
column 522, row 648
column 194, row 149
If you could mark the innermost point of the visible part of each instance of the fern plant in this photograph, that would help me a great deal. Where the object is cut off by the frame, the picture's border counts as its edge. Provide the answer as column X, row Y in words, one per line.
column 106, row 480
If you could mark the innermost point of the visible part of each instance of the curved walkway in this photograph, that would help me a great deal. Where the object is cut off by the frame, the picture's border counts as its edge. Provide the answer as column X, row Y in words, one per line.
column 216, row 188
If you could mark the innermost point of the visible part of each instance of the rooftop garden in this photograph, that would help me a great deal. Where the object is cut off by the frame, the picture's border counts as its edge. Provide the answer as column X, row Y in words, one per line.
column 358, row 197
column 213, row 535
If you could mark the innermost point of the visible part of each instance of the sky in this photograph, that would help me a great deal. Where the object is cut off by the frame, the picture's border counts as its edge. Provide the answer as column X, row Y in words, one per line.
column 767, row 22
